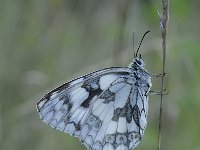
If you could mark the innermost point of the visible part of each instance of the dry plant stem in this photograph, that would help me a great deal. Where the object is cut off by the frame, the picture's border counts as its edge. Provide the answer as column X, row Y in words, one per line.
column 163, row 27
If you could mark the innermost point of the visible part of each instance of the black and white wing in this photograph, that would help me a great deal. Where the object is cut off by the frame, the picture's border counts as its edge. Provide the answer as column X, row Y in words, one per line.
column 106, row 109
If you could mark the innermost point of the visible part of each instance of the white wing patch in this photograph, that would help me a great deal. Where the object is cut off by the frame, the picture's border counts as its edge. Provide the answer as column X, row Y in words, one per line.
column 106, row 109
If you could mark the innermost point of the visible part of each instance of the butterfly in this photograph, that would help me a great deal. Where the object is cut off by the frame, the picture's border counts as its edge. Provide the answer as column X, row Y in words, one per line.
column 106, row 109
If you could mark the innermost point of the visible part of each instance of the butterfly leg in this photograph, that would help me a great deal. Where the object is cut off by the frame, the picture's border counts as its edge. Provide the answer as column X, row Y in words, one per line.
column 158, row 92
column 158, row 75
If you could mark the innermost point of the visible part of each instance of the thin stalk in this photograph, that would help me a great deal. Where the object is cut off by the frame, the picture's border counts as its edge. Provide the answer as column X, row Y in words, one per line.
column 163, row 26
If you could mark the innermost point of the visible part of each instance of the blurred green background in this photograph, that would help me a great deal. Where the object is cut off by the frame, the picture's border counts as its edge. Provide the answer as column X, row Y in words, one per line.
column 44, row 43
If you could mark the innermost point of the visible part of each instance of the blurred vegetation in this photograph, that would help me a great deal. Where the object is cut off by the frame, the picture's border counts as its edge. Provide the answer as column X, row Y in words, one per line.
column 44, row 43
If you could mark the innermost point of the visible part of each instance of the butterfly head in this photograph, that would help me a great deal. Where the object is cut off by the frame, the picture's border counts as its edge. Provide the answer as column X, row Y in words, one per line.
column 137, row 63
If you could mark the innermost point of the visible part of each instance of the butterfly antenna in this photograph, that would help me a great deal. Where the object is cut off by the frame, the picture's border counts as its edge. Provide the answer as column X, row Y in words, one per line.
column 141, row 42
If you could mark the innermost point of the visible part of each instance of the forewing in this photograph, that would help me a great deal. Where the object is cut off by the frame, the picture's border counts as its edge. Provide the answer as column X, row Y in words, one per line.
column 78, row 107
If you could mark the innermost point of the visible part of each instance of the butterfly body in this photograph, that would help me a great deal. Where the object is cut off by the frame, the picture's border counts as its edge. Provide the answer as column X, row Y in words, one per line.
column 106, row 109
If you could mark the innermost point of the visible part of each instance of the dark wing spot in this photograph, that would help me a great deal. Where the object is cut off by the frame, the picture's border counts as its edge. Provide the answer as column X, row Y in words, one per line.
column 129, row 112
column 126, row 111
column 108, row 96
column 78, row 127
column 136, row 115
column 93, row 93
column 91, row 84
column 116, row 114
column 93, row 88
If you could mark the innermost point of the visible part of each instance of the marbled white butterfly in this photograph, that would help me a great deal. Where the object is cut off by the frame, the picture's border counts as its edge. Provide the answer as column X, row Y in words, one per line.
column 106, row 109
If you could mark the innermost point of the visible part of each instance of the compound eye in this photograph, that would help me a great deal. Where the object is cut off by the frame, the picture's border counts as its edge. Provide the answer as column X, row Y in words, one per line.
column 138, row 61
